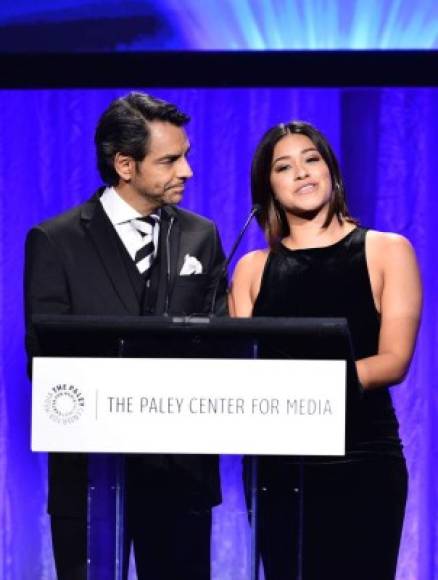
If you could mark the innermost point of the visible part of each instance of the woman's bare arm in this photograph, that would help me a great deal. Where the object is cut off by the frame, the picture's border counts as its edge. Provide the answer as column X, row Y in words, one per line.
column 400, row 306
column 245, row 284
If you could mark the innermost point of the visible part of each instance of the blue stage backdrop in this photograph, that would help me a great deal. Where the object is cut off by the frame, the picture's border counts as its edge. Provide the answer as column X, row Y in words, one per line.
column 386, row 140
column 138, row 25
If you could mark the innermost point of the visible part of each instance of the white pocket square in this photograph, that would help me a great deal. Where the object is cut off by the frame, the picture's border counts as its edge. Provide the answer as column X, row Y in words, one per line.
column 191, row 266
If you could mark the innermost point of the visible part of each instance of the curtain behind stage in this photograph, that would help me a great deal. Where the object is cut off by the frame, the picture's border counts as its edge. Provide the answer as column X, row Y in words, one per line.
column 386, row 140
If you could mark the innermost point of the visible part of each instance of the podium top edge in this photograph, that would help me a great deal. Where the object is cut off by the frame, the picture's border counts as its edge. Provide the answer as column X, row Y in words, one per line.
column 196, row 323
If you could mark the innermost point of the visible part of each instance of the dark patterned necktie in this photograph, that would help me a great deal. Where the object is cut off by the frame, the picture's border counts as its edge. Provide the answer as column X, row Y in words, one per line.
column 146, row 252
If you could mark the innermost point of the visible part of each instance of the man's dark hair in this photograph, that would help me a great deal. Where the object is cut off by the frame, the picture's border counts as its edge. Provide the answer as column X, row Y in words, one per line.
column 272, row 217
column 124, row 128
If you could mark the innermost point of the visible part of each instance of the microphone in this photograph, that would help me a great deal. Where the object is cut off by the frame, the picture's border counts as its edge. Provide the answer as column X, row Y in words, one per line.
column 256, row 208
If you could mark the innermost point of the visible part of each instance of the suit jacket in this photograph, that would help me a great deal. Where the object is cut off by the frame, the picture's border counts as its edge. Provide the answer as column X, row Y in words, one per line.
column 73, row 265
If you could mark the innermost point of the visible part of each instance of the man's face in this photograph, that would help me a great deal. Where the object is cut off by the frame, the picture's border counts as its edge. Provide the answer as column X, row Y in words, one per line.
column 160, row 178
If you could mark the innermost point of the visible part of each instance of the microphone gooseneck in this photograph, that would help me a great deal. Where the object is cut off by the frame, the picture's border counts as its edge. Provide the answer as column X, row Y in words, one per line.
column 256, row 208
column 168, row 272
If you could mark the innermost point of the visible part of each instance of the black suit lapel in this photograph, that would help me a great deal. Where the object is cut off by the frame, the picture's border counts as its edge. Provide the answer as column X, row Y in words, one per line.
column 100, row 230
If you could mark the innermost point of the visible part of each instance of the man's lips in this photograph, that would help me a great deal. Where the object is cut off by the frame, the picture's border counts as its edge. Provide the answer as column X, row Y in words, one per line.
column 179, row 187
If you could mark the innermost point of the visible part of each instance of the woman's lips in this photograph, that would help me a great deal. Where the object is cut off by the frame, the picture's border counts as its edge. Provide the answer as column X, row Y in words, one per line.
column 306, row 188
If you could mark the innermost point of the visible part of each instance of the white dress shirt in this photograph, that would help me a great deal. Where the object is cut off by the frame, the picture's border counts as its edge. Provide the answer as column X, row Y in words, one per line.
column 120, row 215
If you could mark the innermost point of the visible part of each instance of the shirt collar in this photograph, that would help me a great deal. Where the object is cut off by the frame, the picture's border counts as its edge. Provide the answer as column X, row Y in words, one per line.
column 117, row 209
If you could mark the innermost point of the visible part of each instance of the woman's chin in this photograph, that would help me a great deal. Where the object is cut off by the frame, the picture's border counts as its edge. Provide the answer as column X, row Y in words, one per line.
column 308, row 213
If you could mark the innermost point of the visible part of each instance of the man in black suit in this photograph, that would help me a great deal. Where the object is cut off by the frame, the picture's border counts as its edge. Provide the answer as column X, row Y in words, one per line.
column 130, row 251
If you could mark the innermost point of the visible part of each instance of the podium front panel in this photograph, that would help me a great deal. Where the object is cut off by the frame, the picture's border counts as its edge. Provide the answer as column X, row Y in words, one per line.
column 235, row 548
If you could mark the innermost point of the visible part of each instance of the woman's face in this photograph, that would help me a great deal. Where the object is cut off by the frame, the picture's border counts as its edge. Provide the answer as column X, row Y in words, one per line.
column 300, row 178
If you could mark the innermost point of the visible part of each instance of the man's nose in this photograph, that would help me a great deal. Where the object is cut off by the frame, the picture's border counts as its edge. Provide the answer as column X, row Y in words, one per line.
column 184, row 169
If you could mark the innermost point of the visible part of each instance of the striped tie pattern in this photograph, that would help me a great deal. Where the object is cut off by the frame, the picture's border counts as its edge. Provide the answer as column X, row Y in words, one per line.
column 145, row 253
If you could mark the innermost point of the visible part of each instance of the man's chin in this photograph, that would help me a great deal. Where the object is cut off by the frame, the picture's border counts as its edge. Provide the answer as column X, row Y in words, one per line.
column 174, row 198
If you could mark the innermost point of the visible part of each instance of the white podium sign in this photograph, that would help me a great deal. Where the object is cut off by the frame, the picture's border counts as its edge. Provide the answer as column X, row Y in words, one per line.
column 226, row 406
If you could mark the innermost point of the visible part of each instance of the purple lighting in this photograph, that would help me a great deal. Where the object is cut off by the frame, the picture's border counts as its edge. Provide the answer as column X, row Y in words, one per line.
column 386, row 141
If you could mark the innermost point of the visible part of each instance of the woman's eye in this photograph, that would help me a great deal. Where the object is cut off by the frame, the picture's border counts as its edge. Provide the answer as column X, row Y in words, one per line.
column 279, row 168
column 313, row 159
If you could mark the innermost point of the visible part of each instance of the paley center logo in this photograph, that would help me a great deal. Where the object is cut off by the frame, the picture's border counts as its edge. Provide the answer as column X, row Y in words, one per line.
column 64, row 404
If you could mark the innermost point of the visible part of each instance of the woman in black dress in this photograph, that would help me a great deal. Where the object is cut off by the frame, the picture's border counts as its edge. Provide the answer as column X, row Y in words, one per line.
column 320, row 263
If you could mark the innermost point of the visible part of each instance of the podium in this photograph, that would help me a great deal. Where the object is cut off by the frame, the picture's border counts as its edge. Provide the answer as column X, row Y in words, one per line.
column 220, row 344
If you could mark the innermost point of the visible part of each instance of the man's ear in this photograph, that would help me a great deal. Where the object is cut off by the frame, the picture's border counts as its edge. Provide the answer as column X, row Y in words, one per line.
column 124, row 166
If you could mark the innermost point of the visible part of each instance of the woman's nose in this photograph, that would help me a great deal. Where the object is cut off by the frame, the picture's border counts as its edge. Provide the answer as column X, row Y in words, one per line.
column 301, row 172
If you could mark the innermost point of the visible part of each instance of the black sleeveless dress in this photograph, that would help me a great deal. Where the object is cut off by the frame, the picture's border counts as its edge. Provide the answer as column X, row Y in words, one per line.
column 353, row 506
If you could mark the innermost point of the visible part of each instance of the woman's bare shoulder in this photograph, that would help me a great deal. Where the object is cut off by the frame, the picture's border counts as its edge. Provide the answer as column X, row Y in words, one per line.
column 387, row 245
column 254, row 257
column 388, row 238
column 251, row 265
column 252, row 262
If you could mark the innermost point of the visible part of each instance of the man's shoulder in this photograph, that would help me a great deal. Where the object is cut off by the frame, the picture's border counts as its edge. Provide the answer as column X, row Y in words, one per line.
column 61, row 219
column 191, row 219
column 70, row 217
